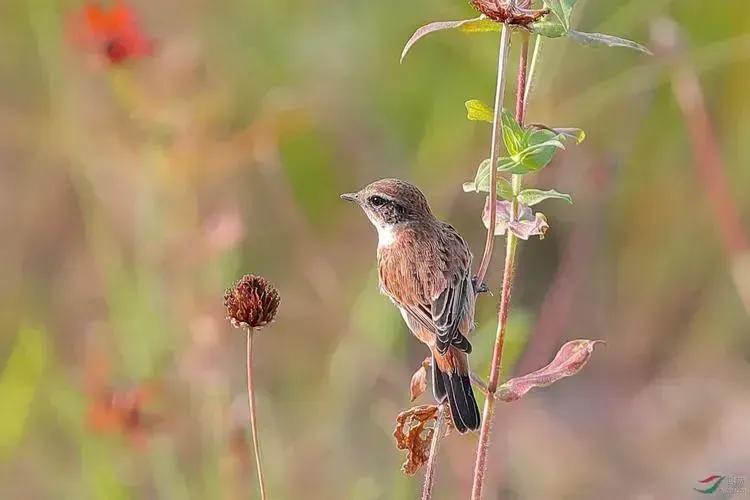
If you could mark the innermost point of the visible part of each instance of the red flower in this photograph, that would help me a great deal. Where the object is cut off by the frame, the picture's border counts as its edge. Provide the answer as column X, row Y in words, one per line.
column 113, row 33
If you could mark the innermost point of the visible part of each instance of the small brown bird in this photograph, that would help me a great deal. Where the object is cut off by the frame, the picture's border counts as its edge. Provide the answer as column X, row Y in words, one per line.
column 425, row 269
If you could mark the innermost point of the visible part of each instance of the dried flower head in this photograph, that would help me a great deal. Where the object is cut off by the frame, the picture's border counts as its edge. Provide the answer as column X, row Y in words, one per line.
column 513, row 13
column 414, row 435
column 251, row 302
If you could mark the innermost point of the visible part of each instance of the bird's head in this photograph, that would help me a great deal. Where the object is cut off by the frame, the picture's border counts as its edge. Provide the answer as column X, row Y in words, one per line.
column 389, row 203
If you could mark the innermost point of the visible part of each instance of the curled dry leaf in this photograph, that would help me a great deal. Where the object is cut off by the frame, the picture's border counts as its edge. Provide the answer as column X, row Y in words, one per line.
column 419, row 380
column 413, row 433
column 526, row 225
column 569, row 360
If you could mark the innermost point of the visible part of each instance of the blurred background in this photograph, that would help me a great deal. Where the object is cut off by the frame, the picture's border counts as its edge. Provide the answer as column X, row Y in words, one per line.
column 135, row 187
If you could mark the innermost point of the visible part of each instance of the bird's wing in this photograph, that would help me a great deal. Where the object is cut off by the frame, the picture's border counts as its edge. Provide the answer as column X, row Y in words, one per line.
column 444, row 312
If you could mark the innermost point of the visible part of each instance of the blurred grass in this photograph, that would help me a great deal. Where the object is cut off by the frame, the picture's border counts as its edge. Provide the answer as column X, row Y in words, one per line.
column 132, row 198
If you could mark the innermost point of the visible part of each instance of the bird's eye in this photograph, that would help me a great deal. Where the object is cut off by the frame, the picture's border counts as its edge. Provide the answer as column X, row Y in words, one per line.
column 377, row 201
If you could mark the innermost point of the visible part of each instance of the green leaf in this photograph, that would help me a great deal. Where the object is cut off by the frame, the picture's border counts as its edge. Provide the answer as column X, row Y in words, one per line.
column 561, row 9
column 531, row 197
column 557, row 22
column 542, row 146
column 481, row 182
column 478, row 111
column 608, row 40
column 480, row 25
column 18, row 383
column 514, row 136
column 574, row 133
column 550, row 29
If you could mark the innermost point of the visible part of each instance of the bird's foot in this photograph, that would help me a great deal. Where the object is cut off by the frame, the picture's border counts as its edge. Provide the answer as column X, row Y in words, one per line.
column 479, row 288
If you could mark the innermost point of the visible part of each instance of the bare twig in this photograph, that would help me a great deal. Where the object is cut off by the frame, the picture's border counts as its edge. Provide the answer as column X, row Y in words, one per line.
column 480, row 466
column 253, row 420
column 429, row 476
column 497, row 127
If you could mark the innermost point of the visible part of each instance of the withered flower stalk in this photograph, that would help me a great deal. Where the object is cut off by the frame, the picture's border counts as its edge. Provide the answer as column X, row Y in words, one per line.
column 251, row 304
column 429, row 475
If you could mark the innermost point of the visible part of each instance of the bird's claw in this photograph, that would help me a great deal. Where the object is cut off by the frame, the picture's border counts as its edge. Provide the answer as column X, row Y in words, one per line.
column 481, row 288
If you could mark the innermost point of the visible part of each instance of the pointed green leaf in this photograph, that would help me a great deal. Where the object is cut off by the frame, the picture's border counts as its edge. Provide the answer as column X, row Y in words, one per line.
column 482, row 182
column 608, row 40
column 478, row 111
column 531, row 197
column 543, row 144
column 514, row 136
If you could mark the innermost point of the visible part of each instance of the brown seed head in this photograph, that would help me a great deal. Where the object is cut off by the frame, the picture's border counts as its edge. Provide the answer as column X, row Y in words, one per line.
column 503, row 11
column 251, row 302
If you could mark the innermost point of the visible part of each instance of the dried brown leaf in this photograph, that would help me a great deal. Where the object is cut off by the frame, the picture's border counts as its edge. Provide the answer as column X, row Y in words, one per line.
column 419, row 380
column 413, row 434
column 569, row 360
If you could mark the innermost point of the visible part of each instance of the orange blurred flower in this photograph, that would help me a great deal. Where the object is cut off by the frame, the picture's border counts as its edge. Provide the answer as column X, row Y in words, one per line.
column 118, row 410
column 112, row 33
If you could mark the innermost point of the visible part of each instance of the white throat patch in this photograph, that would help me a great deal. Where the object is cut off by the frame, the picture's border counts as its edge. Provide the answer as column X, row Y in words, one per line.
column 386, row 235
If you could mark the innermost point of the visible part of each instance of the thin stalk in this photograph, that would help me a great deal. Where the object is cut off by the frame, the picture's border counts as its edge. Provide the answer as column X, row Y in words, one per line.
column 429, row 476
column 532, row 67
column 480, row 466
column 253, row 419
column 497, row 127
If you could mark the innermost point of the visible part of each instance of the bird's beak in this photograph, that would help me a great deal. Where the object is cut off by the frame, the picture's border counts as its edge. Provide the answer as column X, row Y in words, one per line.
column 350, row 197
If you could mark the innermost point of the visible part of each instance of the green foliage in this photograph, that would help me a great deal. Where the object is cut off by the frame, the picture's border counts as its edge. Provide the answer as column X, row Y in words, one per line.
column 482, row 183
column 607, row 40
column 476, row 110
column 556, row 24
column 480, row 25
column 529, row 148
column 18, row 384
column 531, row 197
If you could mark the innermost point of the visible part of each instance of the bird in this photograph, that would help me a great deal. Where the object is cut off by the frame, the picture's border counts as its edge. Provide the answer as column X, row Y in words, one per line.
column 424, row 267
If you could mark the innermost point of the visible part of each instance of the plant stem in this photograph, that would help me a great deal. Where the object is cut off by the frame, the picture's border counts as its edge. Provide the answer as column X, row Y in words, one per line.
column 253, row 420
column 497, row 127
column 480, row 466
column 429, row 476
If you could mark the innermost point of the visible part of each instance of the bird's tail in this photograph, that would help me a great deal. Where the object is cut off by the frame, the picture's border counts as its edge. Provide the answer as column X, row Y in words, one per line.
column 451, row 381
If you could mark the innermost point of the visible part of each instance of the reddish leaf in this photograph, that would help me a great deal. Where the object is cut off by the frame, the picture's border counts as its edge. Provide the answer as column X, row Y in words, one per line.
column 419, row 380
column 526, row 225
column 569, row 360
column 433, row 27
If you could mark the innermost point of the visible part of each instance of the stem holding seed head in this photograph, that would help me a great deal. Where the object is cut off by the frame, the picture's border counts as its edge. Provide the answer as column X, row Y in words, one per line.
column 497, row 128
column 251, row 304
column 480, row 466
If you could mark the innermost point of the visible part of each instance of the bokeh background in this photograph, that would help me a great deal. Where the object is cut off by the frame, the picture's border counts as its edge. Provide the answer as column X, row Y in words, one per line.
column 132, row 195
